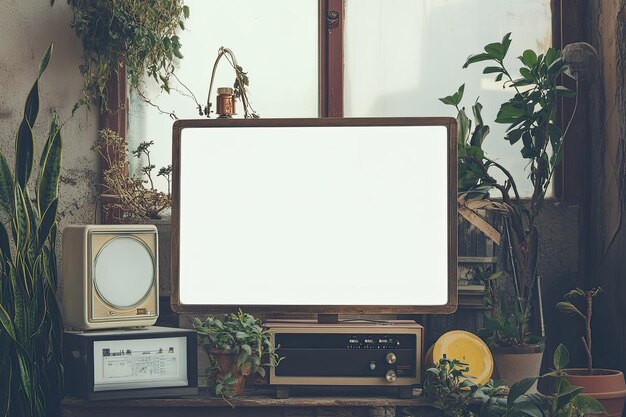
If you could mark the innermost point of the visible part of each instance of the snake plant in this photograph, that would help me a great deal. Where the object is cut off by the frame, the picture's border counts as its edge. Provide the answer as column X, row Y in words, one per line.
column 31, row 370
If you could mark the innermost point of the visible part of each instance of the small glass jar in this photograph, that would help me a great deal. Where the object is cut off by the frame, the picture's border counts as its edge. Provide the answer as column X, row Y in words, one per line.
column 225, row 102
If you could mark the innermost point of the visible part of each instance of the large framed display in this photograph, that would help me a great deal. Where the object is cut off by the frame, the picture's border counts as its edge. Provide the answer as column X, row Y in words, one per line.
column 334, row 216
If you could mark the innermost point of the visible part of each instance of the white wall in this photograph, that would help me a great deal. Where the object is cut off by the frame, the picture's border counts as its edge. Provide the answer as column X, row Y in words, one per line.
column 26, row 28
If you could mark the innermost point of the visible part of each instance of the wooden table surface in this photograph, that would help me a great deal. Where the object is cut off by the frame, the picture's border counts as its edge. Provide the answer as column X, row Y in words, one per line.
column 256, row 404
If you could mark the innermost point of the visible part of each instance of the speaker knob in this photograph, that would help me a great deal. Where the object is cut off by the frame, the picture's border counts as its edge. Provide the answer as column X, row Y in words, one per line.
column 391, row 358
column 390, row 376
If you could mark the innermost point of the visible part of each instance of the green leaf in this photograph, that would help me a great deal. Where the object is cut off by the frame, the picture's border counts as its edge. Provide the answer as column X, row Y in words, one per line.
column 5, row 247
column 24, row 153
column 45, row 59
column 491, row 70
column 21, row 221
column 186, row 11
column 464, row 126
column 520, row 388
column 31, row 109
column 528, row 58
column 509, row 113
column 576, row 292
column 47, row 222
column 479, row 135
column 525, row 72
column 455, row 98
column 25, row 374
column 561, row 357
column 588, row 405
column 569, row 308
column 566, row 394
column 495, row 50
column 50, row 168
column 6, row 187
column 506, row 42
column 7, row 323
column 472, row 59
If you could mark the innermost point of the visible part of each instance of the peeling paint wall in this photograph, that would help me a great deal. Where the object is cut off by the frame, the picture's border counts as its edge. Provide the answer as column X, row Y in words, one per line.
column 27, row 28
column 607, row 29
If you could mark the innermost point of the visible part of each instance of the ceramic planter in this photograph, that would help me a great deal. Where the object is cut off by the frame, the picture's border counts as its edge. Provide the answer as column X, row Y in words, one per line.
column 605, row 385
column 227, row 362
column 515, row 364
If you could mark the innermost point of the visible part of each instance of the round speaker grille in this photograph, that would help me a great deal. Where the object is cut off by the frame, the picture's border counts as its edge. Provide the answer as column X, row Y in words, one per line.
column 123, row 272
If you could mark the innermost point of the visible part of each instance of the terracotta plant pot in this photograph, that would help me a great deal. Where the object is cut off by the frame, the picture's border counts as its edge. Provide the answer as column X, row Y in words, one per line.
column 227, row 362
column 516, row 363
column 605, row 385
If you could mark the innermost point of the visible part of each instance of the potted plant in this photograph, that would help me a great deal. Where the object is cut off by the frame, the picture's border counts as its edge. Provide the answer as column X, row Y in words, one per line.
column 449, row 388
column 31, row 371
column 238, row 346
column 564, row 400
column 530, row 116
column 138, row 37
column 606, row 385
column 137, row 200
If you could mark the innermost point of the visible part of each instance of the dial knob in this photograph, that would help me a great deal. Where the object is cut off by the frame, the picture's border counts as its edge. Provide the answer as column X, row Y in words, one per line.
column 390, row 376
column 391, row 358
column 372, row 365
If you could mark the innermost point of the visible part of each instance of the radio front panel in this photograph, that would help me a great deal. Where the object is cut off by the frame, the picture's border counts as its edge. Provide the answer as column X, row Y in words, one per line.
column 380, row 355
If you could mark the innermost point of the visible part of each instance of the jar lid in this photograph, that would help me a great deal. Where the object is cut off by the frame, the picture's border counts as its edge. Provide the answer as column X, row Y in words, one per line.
column 225, row 90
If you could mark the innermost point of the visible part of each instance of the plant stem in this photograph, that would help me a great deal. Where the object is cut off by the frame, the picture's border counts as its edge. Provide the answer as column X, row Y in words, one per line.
column 587, row 338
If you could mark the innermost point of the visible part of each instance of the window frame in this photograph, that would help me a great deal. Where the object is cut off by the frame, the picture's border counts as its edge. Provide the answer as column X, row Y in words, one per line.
column 570, row 179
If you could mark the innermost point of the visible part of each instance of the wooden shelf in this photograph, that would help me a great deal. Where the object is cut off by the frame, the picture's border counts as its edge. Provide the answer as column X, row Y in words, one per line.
column 257, row 404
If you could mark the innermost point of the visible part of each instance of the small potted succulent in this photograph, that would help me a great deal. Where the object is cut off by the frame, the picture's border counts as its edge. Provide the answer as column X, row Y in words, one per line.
column 238, row 346
column 606, row 385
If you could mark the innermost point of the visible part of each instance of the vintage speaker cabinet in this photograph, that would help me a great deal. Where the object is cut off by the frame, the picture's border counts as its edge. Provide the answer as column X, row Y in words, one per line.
column 131, row 363
column 110, row 275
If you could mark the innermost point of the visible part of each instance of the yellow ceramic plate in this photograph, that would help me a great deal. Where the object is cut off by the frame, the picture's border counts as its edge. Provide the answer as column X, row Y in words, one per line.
column 467, row 348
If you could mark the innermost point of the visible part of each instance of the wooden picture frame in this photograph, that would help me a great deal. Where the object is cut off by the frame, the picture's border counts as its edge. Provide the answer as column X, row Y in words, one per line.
column 452, row 300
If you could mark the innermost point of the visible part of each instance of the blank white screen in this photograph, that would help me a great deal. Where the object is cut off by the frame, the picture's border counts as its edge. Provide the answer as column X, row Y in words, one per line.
column 314, row 216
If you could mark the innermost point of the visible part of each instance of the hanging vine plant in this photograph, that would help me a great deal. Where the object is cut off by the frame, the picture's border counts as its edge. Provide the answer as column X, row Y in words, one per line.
column 141, row 34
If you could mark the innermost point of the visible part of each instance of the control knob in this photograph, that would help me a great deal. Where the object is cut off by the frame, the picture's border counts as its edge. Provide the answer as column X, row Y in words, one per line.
column 391, row 358
column 390, row 376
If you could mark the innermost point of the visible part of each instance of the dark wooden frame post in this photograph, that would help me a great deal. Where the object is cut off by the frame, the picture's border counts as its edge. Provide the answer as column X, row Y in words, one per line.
column 331, row 22
column 114, row 117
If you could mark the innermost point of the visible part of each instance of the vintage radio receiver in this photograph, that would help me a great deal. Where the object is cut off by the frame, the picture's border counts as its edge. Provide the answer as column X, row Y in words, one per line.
column 349, row 353
column 110, row 275
column 130, row 363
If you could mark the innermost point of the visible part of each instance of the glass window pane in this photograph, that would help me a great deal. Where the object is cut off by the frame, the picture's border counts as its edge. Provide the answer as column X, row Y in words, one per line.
column 276, row 42
column 402, row 55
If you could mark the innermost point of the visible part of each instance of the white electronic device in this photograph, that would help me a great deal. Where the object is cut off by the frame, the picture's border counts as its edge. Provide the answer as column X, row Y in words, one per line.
column 110, row 275
column 130, row 363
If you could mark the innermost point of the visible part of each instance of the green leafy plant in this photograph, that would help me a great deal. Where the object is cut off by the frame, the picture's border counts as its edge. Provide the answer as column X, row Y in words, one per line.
column 565, row 400
column 530, row 115
column 132, row 199
column 244, row 336
column 141, row 34
column 450, row 388
column 568, row 307
column 31, row 372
